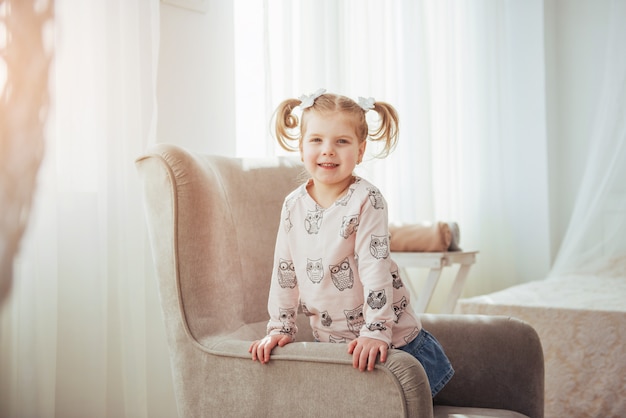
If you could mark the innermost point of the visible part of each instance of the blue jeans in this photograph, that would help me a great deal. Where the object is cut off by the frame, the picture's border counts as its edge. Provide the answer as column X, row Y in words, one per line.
column 427, row 350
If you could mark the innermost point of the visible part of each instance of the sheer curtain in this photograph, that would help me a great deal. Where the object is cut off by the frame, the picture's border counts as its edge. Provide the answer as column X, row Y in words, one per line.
column 76, row 335
column 468, row 81
column 594, row 243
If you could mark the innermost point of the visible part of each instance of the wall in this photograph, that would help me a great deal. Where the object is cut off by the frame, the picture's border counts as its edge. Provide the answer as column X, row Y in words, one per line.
column 195, row 87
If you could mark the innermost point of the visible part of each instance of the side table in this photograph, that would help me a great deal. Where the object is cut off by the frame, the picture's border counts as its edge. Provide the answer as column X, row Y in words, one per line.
column 436, row 262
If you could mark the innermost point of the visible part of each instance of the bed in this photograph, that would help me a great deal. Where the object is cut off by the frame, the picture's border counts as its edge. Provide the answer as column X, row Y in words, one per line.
column 582, row 325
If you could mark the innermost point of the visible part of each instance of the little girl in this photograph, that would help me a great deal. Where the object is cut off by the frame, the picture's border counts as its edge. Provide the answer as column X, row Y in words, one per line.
column 332, row 249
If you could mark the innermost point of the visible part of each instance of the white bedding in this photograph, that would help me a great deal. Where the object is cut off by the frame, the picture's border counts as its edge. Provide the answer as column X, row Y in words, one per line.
column 582, row 325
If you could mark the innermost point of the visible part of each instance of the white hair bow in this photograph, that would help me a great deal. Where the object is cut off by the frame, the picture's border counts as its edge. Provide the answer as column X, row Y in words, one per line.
column 307, row 101
column 366, row 104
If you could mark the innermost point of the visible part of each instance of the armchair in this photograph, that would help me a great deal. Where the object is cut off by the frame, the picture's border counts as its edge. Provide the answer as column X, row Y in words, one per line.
column 212, row 223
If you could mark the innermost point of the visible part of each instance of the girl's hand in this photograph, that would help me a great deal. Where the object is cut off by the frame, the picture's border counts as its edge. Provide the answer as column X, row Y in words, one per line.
column 261, row 349
column 364, row 352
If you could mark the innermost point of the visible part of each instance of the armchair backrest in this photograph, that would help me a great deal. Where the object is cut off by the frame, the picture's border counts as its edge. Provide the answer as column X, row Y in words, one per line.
column 213, row 222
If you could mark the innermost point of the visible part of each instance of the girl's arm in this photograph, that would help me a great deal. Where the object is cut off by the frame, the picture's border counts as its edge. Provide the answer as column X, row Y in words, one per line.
column 372, row 247
column 284, row 294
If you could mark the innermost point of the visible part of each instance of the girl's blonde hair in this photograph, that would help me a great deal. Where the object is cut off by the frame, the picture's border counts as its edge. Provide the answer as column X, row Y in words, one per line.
column 286, row 122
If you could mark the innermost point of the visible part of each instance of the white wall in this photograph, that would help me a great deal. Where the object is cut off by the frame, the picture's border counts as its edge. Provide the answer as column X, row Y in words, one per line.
column 196, row 78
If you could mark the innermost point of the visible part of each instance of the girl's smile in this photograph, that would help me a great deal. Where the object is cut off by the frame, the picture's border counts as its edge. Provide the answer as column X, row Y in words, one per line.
column 330, row 150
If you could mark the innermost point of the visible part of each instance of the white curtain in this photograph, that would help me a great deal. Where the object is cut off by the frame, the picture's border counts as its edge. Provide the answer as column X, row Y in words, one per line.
column 467, row 78
column 81, row 334
column 594, row 243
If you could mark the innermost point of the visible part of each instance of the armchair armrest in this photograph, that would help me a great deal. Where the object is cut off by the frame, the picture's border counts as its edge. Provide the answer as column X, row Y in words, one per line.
column 303, row 379
column 498, row 362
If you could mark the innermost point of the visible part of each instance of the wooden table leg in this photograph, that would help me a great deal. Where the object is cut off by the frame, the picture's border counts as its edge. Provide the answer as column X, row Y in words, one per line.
column 457, row 288
column 424, row 297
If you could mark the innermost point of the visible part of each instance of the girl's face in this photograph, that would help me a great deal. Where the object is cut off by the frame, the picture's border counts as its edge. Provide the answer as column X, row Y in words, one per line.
column 330, row 148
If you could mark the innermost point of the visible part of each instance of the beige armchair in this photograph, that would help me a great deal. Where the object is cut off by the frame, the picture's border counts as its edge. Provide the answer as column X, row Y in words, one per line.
column 212, row 223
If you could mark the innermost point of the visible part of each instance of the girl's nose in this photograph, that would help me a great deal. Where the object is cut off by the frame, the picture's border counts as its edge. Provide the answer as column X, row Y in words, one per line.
column 328, row 150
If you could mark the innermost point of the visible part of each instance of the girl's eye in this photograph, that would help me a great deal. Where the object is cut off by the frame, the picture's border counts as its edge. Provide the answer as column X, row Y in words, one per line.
column 343, row 141
column 314, row 140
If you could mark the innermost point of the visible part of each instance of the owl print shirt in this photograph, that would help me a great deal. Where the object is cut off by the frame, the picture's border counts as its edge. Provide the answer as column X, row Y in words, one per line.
column 334, row 262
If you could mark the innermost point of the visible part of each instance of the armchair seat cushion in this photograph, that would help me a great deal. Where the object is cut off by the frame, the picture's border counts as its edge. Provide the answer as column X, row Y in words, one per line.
column 464, row 412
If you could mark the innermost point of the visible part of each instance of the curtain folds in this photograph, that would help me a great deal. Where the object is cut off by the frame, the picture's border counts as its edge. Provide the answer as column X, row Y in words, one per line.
column 77, row 334
column 468, row 81
column 82, row 334
column 594, row 242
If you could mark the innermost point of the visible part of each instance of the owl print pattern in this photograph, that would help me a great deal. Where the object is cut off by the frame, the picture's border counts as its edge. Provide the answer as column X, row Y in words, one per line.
column 315, row 270
column 317, row 254
column 336, row 340
column 376, row 198
column 305, row 310
column 399, row 307
column 376, row 299
column 355, row 320
column 326, row 319
column 288, row 318
column 313, row 221
column 286, row 274
column 377, row 326
column 349, row 225
column 287, row 221
column 412, row 335
column 379, row 246
column 342, row 275
column 397, row 281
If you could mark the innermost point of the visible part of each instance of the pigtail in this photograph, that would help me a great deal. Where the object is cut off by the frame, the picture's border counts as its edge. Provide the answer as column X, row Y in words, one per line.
column 286, row 123
column 387, row 129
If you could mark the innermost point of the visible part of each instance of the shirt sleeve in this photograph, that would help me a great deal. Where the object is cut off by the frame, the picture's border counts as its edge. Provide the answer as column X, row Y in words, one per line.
column 374, row 264
column 284, row 294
